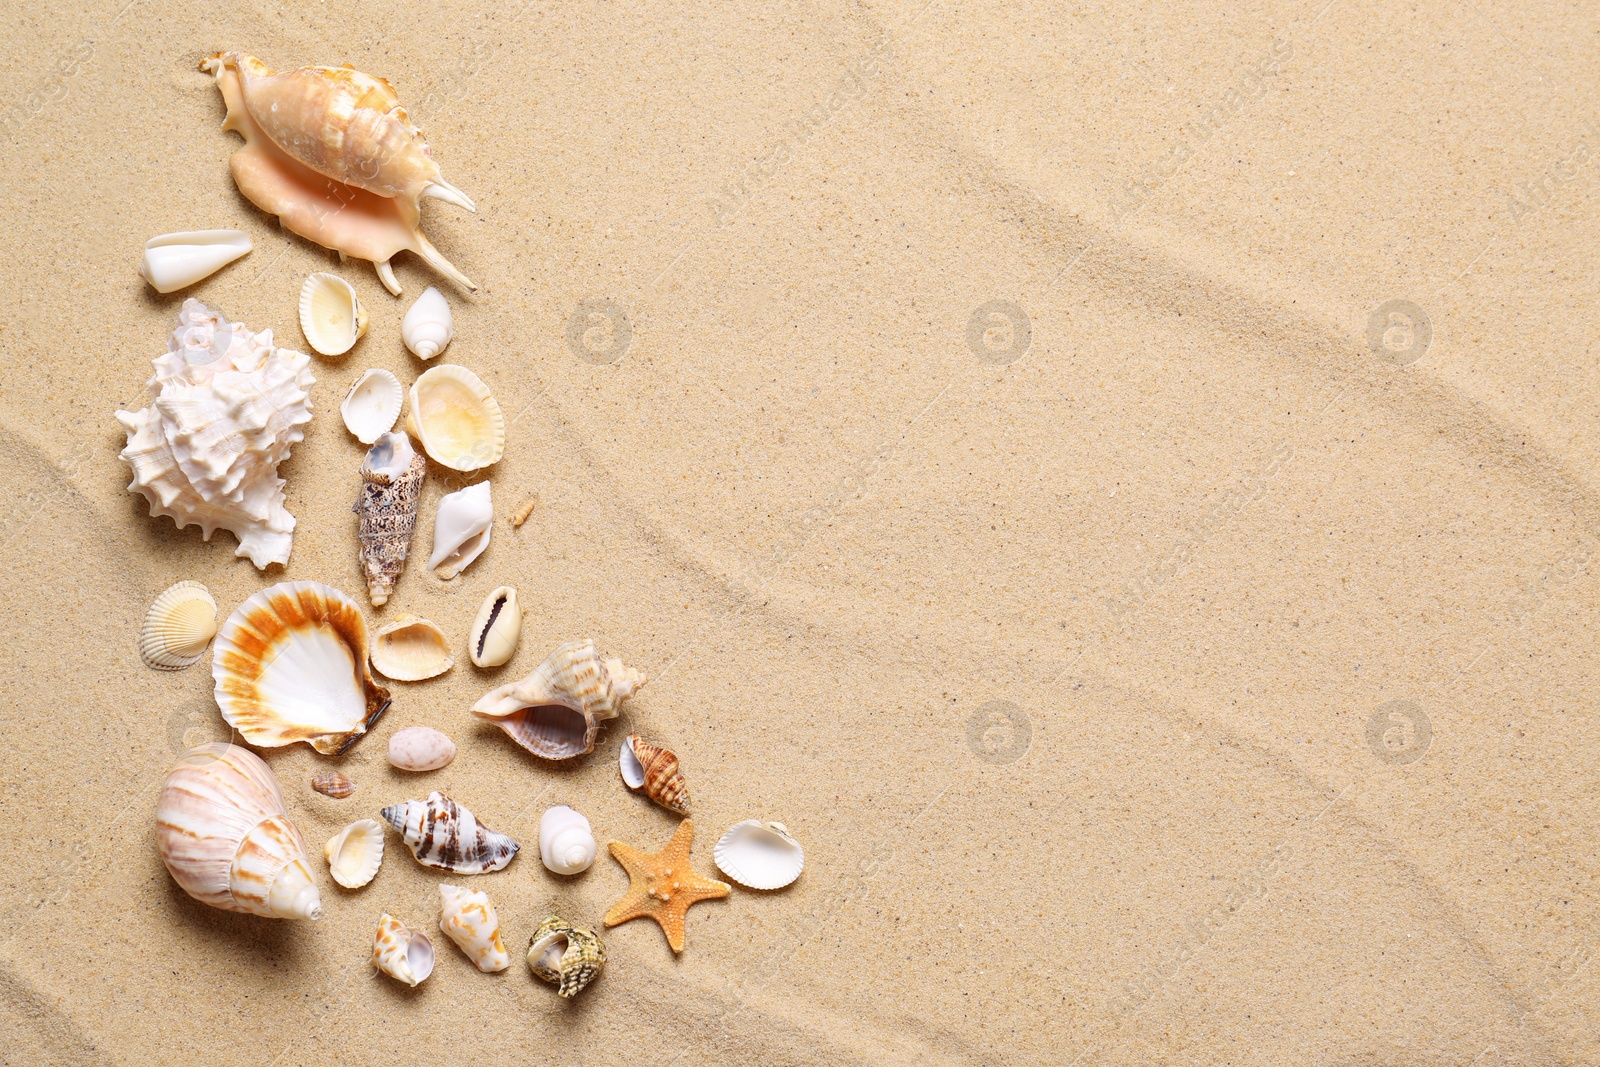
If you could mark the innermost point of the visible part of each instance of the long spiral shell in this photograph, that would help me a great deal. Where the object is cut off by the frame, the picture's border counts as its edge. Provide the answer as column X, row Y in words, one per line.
column 391, row 483
column 658, row 767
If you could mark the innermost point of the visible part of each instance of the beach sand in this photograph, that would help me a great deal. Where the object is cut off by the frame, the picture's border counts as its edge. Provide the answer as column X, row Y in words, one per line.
column 990, row 427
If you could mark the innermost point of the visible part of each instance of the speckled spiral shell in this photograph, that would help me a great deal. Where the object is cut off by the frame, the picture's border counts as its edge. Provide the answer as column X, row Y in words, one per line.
column 447, row 837
column 404, row 955
column 391, row 484
column 567, row 956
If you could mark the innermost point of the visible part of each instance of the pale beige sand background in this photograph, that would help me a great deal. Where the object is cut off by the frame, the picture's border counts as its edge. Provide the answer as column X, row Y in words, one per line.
column 1196, row 536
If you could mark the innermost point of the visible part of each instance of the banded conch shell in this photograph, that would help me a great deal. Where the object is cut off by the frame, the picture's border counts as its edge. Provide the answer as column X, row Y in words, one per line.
column 175, row 261
column 290, row 665
column 178, row 627
column 226, row 839
column 568, row 956
column 410, row 649
column 445, row 836
column 403, row 954
column 355, row 853
column 760, row 855
column 456, row 418
column 495, row 631
column 556, row 711
column 428, row 326
column 227, row 408
column 566, row 841
column 461, row 529
column 372, row 404
column 468, row 919
column 655, row 770
column 303, row 127
column 420, row 748
column 331, row 316
column 333, row 784
column 391, row 483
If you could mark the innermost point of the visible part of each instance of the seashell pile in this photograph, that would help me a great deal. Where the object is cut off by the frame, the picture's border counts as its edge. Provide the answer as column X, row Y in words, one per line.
column 333, row 784
column 303, row 127
column 402, row 954
column 355, row 853
column 556, row 711
column 291, row 665
column 410, row 649
column 178, row 627
column 468, row 919
column 226, row 838
column 568, row 956
column 495, row 631
column 655, row 770
column 566, row 841
column 456, row 418
column 445, row 836
column 228, row 406
column 760, row 855
column 391, row 483
column 176, row 261
column 331, row 316
column 420, row 748
column 428, row 326
column 461, row 530
column 372, row 404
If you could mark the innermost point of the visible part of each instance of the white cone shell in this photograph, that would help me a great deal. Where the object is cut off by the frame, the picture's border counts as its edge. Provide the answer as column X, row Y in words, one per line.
column 566, row 840
column 372, row 405
column 355, row 853
column 428, row 326
column 468, row 919
column 173, row 261
column 760, row 855
column 461, row 529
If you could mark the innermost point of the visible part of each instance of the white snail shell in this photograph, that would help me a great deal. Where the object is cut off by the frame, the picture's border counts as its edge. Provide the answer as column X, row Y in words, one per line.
column 428, row 325
column 566, row 841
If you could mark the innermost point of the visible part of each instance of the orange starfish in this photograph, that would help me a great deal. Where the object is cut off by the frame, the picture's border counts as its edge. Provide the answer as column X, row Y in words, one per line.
column 664, row 886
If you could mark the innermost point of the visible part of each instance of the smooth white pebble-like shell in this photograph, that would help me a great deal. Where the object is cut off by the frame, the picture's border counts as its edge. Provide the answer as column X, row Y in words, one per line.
column 173, row 261
column 461, row 529
column 760, row 855
column 372, row 404
column 566, row 840
column 331, row 316
column 409, row 649
column 421, row 748
column 428, row 326
column 468, row 918
column 355, row 853
column 178, row 627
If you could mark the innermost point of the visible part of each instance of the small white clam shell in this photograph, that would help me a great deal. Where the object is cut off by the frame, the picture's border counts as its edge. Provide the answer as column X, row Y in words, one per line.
column 428, row 325
column 494, row 635
column 461, row 529
column 468, row 919
column 176, row 260
column 409, row 649
column 372, row 404
column 355, row 853
column 420, row 748
column 331, row 317
column 403, row 954
column 566, row 841
column 456, row 418
column 178, row 627
column 760, row 855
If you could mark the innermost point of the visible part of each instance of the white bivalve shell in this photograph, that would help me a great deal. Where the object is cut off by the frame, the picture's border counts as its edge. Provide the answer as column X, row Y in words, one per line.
column 178, row 627
column 494, row 633
column 410, row 648
column 456, row 418
column 461, row 530
column 566, row 841
column 372, row 404
column 174, row 261
column 331, row 316
column 760, row 855
column 355, row 853
column 428, row 326
column 226, row 839
column 402, row 954
column 227, row 407
column 468, row 919
column 420, row 748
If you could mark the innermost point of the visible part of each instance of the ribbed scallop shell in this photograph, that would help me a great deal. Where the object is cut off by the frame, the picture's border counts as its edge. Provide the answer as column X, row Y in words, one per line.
column 760, row 855
column 409, row 649
column 456, row 418
column 372, row 404
column 178, row 627
column 655, row 770
column 568, row 956
column 447, row 837
column 468, row 919
column 556, row 711
column 291, row 665
column 496, row 629
column 355, row 853
column 331, row 315
column 403, row 954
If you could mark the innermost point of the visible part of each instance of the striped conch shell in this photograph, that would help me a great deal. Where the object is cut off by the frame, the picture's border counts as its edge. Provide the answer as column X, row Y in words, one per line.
column 445, row 836
column 568, row 956
column 304, row 127
column 226, row 839
column 402, row 954
column 556, row 711
column 391, row 483
column 468, row 919
column 655, row 770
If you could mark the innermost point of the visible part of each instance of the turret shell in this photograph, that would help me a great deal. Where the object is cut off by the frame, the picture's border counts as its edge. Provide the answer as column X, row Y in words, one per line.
column 495, row 631
column 391, row 487
column 331, row 315
column 461, row 529
column 556, row 711
column 403, row 954
column 355, row 853
column 566, row 841
column 447, row 837
column 409, row 649
column 178, row 627
column 372, row 404
column 568, row 956
column 456, row 418
column 468, row 919
column 428, row 326
column 760, row 855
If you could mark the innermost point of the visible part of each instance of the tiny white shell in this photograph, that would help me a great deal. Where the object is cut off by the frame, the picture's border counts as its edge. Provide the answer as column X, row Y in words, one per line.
column 421, row 748
column 428, row 325
column 494, row 635
column 372, row 404
column 176, row 260
column 178, row 627
column 760, row 855
column 331, row 317
column 355, row 853
column 461, row 529
column 409, row 649
column 566, row 841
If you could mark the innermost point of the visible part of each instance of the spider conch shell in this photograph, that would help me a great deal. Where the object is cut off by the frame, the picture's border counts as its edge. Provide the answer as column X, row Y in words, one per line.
column 447, row 837
column 178, row 627
column 655, row 770
column 391, row 483
column 556, row 711
column 468, row 919
column 566, row 841
column 304, row 127
column 461, row 529
column 225, row 837
column 290, row 665
column 403, row 954
column 568, row 956
column 428, row 326
column 228, row 406
column 355, row 853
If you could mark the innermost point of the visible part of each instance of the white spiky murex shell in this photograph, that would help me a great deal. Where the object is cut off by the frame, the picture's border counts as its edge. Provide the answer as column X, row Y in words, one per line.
column 227, row 408
column 760, row 855
column 566, row 840
column 428, row 326
column 178, row 627
column 456, row 418
column 355, row 853
column 556, row 711
column 468, row 918
column 567, row 956
column 446, row 836
column 403, row 954
column 461, row 529
column 290, row 664
column 225, row 836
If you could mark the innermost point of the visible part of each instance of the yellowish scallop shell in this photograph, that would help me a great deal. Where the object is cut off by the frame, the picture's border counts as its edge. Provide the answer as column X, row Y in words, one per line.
column 456, row 418
column 331, row 317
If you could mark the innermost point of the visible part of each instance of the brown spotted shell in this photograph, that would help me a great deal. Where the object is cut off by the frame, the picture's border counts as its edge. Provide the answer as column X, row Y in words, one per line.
column 333, row 784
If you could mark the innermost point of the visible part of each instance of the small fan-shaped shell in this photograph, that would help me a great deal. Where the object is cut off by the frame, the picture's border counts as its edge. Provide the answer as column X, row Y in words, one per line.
column 495, row 632
column 402, row 954
column 331, row 317
column 333, row 784
column 372, row 404
column 760, row 855
column 355, row 853
column 468, row 919
column 655, row 770
column 428, row 325
column 179, row 625
column 568, row 956
column 420, row 748
column 566, row 841
column 456, row 418
column 174, row 261
column 409, row 649
column 461, row 529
